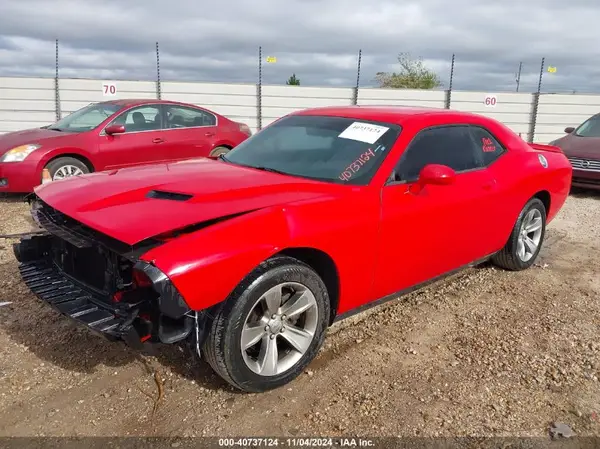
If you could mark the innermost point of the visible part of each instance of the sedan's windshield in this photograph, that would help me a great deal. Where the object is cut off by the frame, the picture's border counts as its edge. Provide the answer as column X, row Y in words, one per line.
column 589, row 128
column 87, row 118
column 332, row 149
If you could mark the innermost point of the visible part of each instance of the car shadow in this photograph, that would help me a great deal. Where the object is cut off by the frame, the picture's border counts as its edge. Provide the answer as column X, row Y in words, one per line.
column 56, row 339
column 12, row 197
column 581, row 192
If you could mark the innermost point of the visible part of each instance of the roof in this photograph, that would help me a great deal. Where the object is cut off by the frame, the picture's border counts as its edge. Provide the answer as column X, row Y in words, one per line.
column 136, row 101
column 390, row 114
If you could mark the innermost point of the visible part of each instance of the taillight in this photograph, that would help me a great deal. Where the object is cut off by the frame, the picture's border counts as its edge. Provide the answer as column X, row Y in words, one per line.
column 245, row 129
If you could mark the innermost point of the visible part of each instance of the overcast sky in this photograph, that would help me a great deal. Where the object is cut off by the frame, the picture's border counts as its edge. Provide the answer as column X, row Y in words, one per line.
column 318, row 40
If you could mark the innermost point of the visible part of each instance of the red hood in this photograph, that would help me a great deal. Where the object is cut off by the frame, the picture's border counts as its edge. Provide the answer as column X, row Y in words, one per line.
column 35, row 135
column 115, row 202
column 583, row 147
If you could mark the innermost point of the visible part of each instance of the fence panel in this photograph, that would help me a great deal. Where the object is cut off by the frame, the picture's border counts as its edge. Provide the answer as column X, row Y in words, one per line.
column 278, row 101
column 77, row 93
column 234, row 101
column 402, row 97
column 511, row 108
column 26, row 103
column 557, row 111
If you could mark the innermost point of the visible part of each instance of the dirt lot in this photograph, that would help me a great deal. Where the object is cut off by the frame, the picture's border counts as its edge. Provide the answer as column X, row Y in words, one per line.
column 487, row 352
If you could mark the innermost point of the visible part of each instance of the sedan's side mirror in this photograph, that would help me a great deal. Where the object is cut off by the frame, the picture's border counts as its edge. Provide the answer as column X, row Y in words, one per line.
column 114, row 129
column 436, row 174
column 569, row 130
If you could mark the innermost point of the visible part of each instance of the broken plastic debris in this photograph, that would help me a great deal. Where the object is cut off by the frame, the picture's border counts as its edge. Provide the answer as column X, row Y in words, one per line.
column 561, row 430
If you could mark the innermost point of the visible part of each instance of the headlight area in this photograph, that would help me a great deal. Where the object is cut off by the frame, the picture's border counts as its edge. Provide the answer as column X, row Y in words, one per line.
column 174, row 320
column 18, row 154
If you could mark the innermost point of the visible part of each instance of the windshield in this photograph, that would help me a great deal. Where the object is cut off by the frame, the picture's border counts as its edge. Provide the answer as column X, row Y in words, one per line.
column 332, row 149
column 589, row 128
column 87, row 118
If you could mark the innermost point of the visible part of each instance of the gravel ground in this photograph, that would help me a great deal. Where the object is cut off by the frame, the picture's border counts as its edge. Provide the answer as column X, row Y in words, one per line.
column 485, row 353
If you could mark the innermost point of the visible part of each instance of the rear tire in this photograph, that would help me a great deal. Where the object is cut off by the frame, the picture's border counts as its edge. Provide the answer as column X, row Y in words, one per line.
column 526, row 238
column 65, row 167
column 219, row 150
column 258, row 342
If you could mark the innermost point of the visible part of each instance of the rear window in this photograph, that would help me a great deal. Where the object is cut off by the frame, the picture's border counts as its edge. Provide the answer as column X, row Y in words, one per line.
column 333, row 149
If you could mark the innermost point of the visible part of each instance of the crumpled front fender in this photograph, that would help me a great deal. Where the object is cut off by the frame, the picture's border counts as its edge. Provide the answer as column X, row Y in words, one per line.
column 205, row 266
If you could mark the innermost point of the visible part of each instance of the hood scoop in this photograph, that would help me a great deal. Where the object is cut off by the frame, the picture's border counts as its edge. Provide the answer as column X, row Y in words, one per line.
column 164, row 195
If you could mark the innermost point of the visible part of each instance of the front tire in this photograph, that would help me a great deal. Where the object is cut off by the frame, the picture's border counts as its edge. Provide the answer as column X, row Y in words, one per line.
column 525, row 242
column 270, row 327
column 217, row 151
column 65, row 167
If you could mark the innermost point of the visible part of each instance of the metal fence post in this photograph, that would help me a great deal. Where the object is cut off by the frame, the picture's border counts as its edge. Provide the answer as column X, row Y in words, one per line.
column 355, row 98
column 449, row 91
column 158, row 89
column 57, row 111
column 519, row 76
column 535, row 106
column 259, row 91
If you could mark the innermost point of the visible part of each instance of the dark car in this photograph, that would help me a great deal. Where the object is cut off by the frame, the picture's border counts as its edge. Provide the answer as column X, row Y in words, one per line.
column 111, row 135
column 582, row 146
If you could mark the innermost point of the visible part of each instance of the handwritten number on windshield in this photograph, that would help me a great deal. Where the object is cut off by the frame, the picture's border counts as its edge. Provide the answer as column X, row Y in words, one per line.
column 355, row 166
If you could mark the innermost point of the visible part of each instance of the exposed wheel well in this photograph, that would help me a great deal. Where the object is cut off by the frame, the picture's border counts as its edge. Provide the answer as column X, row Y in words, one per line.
column 79, row 157
column 544, row 197
column 325, row 267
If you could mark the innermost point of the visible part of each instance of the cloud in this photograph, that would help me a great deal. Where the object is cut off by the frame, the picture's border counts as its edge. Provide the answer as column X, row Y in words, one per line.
column 317, row 40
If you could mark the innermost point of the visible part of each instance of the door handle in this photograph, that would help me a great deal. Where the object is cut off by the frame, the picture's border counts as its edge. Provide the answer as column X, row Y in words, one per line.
column 157, row 140
column 209, row 134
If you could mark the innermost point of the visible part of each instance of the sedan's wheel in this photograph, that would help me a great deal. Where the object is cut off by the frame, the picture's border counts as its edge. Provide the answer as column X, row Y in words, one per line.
column 65, row 167
column 217, row 151
column 271, row 327
column 525, row 242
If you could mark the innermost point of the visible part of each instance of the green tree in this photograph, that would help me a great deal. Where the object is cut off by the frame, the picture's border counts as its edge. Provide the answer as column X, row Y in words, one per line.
column 293, row 81
column 413, row 75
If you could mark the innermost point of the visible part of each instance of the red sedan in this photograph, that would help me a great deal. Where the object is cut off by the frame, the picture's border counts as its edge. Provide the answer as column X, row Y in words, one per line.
column 114, row 134
column 252, row 255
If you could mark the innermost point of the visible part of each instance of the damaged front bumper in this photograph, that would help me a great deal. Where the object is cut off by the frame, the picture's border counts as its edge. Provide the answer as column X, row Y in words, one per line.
column 64, row 295
column 94, row 282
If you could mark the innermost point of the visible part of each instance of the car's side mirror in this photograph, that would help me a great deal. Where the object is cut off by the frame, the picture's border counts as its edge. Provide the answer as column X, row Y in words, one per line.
column 433, row 174
column 569, row 130
column 436, row 174
column 114, row 129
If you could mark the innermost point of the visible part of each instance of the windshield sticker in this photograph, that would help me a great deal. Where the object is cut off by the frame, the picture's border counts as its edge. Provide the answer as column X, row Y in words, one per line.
column 355, row 166
column 363, row 132
column 487, row 145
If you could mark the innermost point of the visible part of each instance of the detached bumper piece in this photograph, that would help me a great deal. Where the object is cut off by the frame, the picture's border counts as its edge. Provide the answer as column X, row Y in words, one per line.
column 49, row 285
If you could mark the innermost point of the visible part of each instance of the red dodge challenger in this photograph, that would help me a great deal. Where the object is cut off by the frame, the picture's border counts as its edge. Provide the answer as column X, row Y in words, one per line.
column 250, row 256
column 114, row 134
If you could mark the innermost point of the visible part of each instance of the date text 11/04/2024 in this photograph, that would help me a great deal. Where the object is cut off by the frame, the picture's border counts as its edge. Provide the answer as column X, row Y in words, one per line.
column 296, row 442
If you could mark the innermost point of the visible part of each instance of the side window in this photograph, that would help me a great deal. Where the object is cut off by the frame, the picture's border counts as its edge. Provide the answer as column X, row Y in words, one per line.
column 182, row 117
column 445, row 145
column 142, row 118
column 487, row 144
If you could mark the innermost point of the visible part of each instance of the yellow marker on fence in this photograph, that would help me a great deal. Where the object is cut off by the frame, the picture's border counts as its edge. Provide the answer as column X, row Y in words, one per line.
column 551, row 69
column 271, row 59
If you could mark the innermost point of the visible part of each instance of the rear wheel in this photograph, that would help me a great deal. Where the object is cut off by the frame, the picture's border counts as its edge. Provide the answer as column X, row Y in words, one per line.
column 525, row 242
column 219, row 150
column 65, row 167
column 271, row 327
